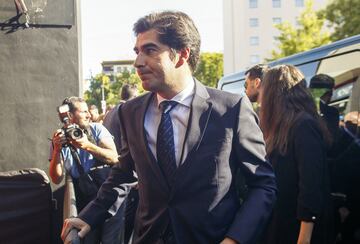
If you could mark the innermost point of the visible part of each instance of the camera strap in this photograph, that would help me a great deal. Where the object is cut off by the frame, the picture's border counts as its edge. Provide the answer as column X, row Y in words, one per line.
column 76, row 159
column 89, row 134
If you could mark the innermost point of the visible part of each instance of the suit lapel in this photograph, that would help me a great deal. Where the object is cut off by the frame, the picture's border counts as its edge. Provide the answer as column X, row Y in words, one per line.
column 199, row 116
column 149, row 157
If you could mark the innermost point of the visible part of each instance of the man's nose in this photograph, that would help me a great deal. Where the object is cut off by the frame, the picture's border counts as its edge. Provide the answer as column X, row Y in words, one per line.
column 139, row 61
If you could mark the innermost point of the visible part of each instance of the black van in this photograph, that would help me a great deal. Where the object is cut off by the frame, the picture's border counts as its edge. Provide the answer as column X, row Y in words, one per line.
column 340, row 60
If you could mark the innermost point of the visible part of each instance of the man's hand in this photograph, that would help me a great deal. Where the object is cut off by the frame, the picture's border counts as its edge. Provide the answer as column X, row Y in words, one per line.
column 82, row 143
column 58, row 139
column 71, row 223
column 228, row 240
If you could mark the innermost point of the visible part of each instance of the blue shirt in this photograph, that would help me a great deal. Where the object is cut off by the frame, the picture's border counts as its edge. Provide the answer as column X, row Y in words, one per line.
column 87, row 160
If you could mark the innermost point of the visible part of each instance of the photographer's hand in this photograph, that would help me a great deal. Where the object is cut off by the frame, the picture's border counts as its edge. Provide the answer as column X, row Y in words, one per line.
column 58, row 139
column 105, row 150
column 56, row 164
column 82, row 143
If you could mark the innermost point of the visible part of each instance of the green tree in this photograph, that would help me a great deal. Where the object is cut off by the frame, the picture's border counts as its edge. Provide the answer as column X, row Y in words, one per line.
column 210, row 68
column 343, row 16
column 111, row 88
column 125, row 77
column 94, row 94
column 308, row 35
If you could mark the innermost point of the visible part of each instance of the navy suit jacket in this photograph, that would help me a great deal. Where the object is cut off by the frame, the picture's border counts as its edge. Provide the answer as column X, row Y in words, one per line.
column 202, row 206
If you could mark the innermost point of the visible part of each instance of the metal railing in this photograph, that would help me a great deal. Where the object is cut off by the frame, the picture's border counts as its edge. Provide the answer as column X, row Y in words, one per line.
column 69, row 209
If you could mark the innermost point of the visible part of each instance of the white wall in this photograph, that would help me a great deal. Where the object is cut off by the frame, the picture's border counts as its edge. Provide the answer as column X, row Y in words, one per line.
column 237, row 32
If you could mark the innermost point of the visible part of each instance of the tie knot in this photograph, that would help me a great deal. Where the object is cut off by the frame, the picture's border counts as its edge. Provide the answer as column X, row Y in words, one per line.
column 167, row 106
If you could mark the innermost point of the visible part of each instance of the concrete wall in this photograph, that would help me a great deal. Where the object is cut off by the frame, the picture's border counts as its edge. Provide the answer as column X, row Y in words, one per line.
column 39, row 66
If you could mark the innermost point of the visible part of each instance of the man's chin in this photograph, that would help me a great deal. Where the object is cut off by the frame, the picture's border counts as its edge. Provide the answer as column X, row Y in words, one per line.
column 146, row 85
column 84, row 125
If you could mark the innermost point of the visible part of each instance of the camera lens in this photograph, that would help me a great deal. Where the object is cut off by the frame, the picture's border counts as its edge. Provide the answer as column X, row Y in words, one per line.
column 76, row 133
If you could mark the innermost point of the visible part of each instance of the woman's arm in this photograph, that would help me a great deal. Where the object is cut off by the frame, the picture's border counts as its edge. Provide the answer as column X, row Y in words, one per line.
column 305, row 233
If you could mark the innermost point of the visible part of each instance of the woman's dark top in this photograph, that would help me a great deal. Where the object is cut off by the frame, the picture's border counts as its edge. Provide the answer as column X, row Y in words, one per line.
column 303, row 186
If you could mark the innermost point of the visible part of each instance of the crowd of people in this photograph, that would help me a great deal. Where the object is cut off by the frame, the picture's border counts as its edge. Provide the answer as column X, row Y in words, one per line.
column 165, row 163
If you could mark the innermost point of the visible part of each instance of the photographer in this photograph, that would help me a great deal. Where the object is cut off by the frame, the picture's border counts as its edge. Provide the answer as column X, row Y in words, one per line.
column 86, row 151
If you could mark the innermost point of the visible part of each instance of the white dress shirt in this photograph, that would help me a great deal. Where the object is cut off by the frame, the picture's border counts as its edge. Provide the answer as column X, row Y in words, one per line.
column 179, row 116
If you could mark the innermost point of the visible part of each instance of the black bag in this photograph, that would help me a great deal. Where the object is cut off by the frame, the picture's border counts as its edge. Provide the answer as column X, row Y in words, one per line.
column 25, row 207
column 85, row 190
column 85, row 186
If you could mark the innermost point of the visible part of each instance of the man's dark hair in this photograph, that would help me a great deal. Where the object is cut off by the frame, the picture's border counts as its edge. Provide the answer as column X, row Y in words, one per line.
column 175, row 29
column 322, row 81
column 71, row 101
column 128, row 91
column 257, row 71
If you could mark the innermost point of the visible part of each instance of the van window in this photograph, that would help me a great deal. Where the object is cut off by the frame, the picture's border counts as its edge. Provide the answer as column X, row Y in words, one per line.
column 309, row 70
column 236, row 87
column 345, row 69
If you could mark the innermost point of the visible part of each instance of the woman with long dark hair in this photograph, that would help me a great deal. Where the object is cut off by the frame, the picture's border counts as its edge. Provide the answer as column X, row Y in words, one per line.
column 296, row 140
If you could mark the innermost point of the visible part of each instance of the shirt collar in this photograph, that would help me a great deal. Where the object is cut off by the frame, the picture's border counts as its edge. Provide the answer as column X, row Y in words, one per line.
column 184, row 97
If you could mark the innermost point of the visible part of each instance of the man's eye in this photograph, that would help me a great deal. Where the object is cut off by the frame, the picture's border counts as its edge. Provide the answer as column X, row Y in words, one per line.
column 150, row 50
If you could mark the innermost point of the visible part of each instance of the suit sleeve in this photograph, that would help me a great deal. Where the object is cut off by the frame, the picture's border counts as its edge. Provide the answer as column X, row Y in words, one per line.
column 114, row 190
column 249, row 148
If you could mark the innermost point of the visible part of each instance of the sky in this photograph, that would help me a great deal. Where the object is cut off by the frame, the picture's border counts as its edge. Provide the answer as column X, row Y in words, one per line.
column 106, row 27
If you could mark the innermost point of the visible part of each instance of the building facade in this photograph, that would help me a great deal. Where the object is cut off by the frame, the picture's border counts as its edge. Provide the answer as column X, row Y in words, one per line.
column 249, row 31
column 111, row 68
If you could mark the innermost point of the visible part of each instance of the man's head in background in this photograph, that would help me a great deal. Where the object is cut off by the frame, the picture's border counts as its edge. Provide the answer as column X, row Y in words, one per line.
column 253, row 81
column 323, row 81
column 128, row 91
column 78, row 111
column 94, row 112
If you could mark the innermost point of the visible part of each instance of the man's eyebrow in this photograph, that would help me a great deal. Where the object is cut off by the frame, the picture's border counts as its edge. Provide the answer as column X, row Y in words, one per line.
column 147, row 45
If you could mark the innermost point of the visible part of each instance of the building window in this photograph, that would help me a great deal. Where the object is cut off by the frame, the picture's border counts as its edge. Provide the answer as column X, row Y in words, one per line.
column 108, row 68
column 276, row 20
column 297, row 22
column 253, row 3
column 254, row 40
column 254, row 59
column 254, row 22
column 276, row 3
column 299, row 3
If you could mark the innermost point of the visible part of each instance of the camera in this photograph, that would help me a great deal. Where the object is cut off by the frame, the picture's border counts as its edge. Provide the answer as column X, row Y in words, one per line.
column 70, row 130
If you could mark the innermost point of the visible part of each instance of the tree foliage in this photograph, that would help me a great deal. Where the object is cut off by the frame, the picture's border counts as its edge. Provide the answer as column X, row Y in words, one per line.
column 343, row 16
column 111, row 88
column 210, row 68
column 308, row 35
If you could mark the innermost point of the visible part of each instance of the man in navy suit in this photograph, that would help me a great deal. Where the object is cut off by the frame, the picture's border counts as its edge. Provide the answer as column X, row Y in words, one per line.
column 185, row 142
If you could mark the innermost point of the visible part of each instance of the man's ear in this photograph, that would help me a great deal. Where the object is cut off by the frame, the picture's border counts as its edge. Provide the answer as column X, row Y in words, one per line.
column 184, row 55
column 257, row 82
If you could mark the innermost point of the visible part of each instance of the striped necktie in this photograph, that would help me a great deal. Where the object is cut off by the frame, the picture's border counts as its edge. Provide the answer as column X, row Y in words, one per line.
column 165, row 148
